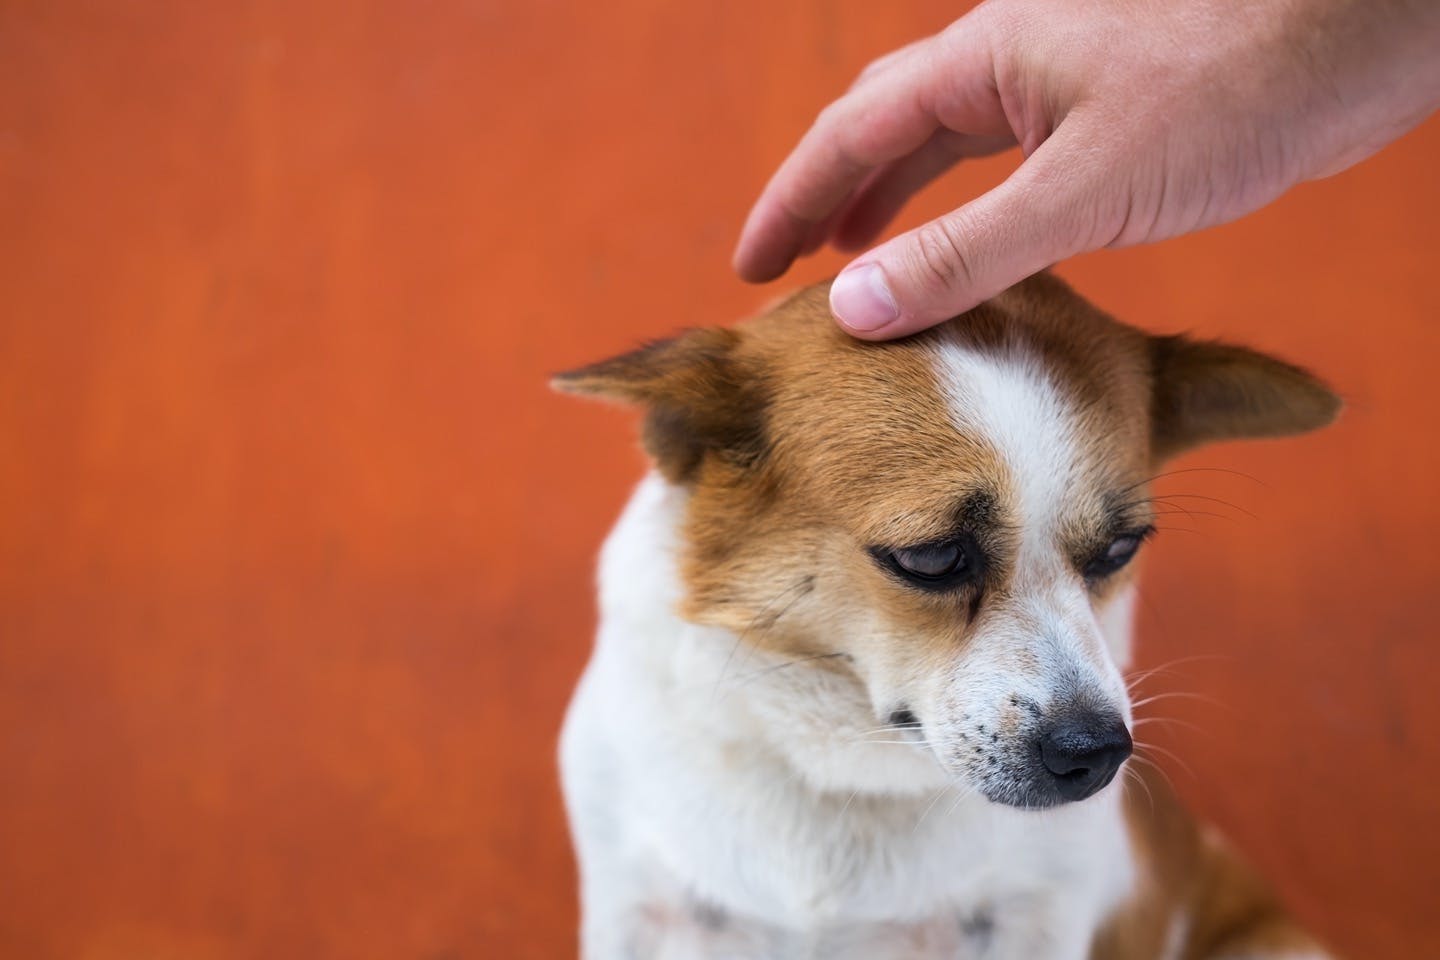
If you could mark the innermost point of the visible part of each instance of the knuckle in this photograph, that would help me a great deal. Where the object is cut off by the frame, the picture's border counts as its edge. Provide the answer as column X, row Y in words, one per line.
column 828, row 119
column 939, row 258
column 883, row 63
column 872, row 68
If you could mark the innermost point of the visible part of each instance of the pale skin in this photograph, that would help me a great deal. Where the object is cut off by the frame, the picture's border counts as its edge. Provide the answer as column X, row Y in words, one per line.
column 1138, row 120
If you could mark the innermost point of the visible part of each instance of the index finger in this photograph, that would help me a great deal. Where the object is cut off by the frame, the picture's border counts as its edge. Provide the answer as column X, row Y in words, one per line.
column 874, row 123
column 881, row 119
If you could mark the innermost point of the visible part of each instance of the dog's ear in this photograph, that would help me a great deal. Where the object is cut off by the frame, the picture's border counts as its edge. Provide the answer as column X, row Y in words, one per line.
column 1204, row 391
column 700, row 399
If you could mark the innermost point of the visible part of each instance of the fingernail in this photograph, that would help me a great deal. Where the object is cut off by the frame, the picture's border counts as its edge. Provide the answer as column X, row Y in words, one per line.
column 862, row 300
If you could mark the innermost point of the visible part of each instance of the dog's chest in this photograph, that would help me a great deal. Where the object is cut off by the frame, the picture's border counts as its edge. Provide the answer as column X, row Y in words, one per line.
column 695, row 931
column 693, row 849
column 764, row 872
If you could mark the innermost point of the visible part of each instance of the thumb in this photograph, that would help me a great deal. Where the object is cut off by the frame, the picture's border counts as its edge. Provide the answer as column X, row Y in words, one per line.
column 1053, row 206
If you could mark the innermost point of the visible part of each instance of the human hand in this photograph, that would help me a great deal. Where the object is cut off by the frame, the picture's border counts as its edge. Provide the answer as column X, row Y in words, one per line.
column 1138, row 120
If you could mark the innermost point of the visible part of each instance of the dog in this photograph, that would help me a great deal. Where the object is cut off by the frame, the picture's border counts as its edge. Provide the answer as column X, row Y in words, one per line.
column 858, row 686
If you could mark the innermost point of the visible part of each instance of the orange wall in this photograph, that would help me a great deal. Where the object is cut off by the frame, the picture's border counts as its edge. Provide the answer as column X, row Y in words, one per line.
column 296, row 550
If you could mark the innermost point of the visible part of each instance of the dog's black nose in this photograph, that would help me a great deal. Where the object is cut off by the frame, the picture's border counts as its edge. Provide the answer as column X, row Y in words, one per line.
column 1084, row 755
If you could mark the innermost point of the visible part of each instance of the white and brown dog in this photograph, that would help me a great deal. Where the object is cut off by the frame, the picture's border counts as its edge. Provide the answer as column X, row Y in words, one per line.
column 857, row 691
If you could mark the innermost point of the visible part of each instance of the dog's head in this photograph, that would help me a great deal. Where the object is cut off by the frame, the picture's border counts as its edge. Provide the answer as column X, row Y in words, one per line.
column 947, row 520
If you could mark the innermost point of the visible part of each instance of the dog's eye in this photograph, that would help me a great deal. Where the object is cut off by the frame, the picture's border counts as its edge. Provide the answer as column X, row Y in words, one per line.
column 941, row 565
column 932, row 561
column 1120, row 552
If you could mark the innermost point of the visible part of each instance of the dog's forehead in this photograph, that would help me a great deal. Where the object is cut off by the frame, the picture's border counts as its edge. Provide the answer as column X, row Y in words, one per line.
column 1005, row 402
column 1012, row 404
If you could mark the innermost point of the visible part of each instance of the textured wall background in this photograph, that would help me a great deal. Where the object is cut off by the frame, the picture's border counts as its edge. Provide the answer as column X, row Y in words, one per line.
column 296, row 549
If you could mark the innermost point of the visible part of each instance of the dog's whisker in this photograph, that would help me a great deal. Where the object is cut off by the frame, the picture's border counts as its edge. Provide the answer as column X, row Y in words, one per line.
column 1169, row 721
column 871, row 737
column 1137, row 677
column 1176, row 473
column 1192, row 514
column 1142, row 747
column 888, row 728
column 1134, row 679
column 1176, row 695
column 1140, row 758
column 1172, row 509
column 960, row 797
column 1133, row 776
column 1200, row 496
column 963, row 795
column 1173, row 528
column 1159, row 528
column 938, row 794
column 1180, row 661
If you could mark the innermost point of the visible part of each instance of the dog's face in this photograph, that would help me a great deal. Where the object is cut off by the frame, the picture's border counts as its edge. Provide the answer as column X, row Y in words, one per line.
column 946, row 520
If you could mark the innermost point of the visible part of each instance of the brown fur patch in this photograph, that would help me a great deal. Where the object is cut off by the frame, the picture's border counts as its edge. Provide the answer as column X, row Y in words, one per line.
column 700, row 399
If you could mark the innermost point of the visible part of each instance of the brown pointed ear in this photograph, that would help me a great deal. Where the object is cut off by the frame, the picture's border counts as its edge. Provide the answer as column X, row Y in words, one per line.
column 700, row 399
column 1205, row 391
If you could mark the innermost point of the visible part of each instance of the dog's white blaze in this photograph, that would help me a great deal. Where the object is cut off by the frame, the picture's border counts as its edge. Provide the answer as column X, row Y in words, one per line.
column 1008, row 400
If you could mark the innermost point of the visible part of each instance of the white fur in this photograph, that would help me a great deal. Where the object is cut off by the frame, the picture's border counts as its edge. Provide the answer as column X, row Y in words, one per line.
column 1009, row 401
